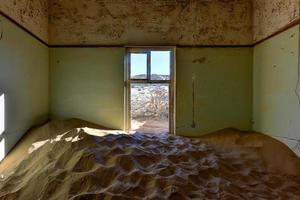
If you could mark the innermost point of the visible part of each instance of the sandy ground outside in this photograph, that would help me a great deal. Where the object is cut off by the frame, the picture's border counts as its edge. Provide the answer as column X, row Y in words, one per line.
column 75, row 159
column 151, row 126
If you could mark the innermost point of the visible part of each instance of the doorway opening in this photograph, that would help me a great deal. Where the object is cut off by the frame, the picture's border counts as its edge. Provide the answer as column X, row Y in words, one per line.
column 150, row 92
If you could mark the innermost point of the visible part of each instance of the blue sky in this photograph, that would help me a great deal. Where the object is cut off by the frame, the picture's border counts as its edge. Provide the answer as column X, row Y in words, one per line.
column 160, row 63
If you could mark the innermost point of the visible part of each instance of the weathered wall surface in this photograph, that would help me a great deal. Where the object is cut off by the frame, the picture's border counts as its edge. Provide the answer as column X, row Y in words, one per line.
column 31, row 14
column 24, row 83
column 271, row 15
column 276, row 102
column 222, row 89
column 151, row 22
column 88, row 83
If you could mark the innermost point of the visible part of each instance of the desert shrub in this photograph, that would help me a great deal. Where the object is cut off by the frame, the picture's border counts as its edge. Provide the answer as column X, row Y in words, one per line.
column 150, row 101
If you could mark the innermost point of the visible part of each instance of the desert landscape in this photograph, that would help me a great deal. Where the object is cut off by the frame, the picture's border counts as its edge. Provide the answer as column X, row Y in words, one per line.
column 74, row 159
column 150, row 106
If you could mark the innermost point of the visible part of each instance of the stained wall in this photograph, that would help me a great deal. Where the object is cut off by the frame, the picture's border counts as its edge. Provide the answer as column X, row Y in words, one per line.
column 271, row 15
column 150, row 22
column 130, row 22
column 31, row 14
column 24, row 84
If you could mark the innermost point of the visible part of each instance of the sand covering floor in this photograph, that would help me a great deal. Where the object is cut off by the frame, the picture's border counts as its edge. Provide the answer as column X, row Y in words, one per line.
column 65, row 160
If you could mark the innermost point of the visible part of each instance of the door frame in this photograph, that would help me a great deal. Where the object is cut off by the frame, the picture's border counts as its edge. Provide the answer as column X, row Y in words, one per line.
column 171, row 82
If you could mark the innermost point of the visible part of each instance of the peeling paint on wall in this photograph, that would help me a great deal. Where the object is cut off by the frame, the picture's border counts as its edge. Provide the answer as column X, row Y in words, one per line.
column 31, row 14
column 151, row 22
column 270, row 16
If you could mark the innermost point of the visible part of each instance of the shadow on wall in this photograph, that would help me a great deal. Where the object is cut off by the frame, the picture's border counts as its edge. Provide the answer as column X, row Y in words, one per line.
column 2, row 126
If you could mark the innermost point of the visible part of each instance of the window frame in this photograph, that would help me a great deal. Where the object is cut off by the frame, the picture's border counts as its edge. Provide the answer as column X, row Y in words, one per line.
column 171, row 82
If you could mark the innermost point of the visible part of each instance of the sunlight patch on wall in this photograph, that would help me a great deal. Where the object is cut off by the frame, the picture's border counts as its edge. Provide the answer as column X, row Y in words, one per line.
column 2, row 149
column 2, row 113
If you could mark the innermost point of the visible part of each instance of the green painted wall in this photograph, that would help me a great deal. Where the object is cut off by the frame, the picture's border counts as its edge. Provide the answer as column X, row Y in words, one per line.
column 276, row 106
column 87, row 83
column 24, row 80
column 222, row 89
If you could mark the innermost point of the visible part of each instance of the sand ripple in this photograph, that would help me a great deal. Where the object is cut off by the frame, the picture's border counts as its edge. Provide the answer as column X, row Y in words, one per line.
column 84, row 163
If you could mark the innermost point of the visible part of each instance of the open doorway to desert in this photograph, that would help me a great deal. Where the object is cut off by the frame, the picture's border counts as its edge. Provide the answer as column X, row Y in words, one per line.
column 150, row 90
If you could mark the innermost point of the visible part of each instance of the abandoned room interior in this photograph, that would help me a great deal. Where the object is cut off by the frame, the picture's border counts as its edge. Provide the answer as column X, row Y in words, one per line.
column 149, row 99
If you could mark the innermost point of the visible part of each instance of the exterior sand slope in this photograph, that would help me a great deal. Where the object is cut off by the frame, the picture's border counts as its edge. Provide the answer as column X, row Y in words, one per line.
column 66, row 160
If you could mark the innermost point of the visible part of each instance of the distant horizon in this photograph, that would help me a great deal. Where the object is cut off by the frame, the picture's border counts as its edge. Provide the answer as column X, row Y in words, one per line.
column 153, row 74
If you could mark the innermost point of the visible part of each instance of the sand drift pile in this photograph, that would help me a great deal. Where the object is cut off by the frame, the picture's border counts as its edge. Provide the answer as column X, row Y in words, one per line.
column 77, row 160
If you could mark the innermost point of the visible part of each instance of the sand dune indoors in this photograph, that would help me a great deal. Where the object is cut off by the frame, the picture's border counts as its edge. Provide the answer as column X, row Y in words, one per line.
column 77, row 160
